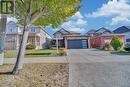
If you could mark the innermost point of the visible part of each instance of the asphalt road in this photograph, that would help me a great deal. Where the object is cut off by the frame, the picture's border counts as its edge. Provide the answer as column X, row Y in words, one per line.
column 93, row 68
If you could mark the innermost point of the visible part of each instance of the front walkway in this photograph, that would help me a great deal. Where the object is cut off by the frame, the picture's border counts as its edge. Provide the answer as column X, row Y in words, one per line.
column 62, row 59
column 95, row 68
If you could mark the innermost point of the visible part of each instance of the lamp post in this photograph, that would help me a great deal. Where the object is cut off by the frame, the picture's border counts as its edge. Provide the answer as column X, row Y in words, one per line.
column 57, row 44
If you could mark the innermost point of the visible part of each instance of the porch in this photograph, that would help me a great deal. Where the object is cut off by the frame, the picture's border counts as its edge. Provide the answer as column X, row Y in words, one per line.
column 35, row 40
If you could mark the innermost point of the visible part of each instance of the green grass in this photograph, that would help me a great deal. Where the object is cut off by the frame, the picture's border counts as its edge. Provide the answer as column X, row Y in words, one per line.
column 120, row 51
column 34, row 53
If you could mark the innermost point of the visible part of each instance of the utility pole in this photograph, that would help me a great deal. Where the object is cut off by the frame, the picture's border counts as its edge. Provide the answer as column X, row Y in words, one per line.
column 3, row 21
column 6, row 8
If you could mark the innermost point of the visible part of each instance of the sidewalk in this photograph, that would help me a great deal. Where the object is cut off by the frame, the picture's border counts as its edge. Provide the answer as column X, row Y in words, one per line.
column 62, row 59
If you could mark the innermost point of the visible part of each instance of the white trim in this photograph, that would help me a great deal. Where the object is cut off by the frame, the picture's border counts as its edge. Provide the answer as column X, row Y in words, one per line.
column 112, row 34
column 58, row 38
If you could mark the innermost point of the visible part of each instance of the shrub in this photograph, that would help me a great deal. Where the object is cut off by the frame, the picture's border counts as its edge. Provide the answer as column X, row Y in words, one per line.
column 38, row 54
column 51, row 44
column 63, row 52
column 30, row 47
column 127, row 47
column 117, row 43
column 107, row 46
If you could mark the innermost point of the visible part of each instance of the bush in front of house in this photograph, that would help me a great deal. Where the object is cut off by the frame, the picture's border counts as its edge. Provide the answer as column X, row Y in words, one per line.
column 51, row 44
column 107, row 46
column 63, row 52
column 127, row 47
column 30, row 47
column 117, row 43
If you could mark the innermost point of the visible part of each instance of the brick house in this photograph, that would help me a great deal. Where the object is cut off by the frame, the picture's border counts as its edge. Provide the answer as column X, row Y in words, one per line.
column 71, row 39
column 99, row 41
column 92, row 39
column 124, row 30
column 101, row 36
column 37, row 36
column 59, row 35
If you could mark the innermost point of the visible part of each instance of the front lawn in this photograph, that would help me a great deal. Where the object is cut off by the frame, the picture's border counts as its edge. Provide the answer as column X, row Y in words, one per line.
column 34, row 53
column 120, row 52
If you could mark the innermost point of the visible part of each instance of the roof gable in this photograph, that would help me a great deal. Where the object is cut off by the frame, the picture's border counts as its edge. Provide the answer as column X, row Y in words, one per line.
column 63, row 31
column 91, row 31
column 11, row 23
column 122, row 29
column 102, row 31
column 66, row 32
column 73, row 32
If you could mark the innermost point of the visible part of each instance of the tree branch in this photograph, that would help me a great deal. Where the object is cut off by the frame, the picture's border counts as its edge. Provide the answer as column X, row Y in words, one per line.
column 18, row 11
column 37, row 14
column 28, row 14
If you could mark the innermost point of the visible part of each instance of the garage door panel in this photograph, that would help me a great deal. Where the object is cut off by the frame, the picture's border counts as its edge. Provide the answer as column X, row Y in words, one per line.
column 77, row 44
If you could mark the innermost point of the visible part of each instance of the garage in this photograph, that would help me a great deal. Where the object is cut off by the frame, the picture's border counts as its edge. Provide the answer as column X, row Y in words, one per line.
column 76, row 42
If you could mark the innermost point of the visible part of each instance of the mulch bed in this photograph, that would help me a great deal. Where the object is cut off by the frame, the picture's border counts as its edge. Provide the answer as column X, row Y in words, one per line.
column 36, row 75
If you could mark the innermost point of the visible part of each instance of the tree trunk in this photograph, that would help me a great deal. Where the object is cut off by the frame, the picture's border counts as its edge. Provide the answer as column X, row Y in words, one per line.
column 20, row 57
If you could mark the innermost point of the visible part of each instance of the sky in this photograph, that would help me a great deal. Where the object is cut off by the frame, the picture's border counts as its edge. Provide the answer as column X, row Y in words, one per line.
column 95, row 14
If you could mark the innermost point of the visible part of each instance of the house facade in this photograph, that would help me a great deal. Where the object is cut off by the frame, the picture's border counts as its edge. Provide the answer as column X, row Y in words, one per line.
column 71, row 39
column 99, row 41
column 92, row 39
column 59, row 35
column 101, row 36
column 124, row 30
column 37, row 36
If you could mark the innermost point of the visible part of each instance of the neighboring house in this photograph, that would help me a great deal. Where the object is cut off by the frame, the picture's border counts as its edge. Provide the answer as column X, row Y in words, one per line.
column 102, row 31
column 102, row 36
column 99, row 41
column 124, row 30
column 71, row 39
column 37, row 36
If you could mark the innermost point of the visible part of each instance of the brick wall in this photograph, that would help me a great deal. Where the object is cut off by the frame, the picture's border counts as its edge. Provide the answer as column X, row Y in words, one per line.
column 97, row 42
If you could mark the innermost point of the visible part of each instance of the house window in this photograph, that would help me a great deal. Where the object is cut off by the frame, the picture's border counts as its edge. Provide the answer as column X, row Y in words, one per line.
column 33, row 30
column 11, row 29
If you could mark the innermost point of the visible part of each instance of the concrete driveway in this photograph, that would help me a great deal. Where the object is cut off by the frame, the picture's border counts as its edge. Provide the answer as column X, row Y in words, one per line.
column 94, row 68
